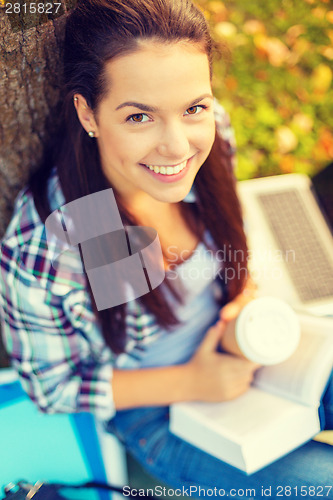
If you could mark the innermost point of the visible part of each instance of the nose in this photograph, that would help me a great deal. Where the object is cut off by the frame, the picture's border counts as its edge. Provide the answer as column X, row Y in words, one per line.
column 174, row 142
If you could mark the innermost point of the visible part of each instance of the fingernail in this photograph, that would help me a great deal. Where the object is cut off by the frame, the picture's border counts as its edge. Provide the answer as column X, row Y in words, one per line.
column 221, row 323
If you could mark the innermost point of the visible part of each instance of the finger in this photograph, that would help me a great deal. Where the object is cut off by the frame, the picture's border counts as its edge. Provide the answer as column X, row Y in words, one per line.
column 250, row 367
column 256, row 366
column 231, row 311
column 244, row 366
column 237, row 390
column 212, row 337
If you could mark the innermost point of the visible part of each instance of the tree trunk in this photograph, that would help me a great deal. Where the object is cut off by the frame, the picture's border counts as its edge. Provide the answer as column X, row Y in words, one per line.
column 30, row 79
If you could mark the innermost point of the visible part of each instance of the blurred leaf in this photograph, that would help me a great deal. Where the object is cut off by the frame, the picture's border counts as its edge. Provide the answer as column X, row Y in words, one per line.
column 287, row 164
column 330, row 35
column 294, row 32
column 303, row 122
column 326, row 141
column 275, row 49
column 231, row 82
column 218, row 11
column 301, row 46
column 321, row 78
column 327, row 52
column 225, row 30
column 267, row 115
column 245, row 167
column 286, row 139
column 319, row 12
column 253, row 27
column 261, row 74
column 216, row 7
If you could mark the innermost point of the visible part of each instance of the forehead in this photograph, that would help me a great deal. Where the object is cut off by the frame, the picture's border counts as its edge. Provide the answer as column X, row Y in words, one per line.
column 159, row 74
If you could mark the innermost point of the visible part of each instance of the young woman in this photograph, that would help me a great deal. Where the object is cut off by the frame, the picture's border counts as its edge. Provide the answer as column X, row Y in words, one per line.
column 139, row 116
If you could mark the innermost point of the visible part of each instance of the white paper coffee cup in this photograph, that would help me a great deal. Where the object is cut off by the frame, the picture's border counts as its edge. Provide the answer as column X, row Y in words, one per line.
column 267, row 331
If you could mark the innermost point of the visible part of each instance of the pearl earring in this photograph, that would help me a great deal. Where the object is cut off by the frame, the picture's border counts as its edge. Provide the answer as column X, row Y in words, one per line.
column 91, row 133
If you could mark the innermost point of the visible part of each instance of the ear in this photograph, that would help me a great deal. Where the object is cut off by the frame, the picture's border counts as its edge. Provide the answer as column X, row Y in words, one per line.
column 85, row 115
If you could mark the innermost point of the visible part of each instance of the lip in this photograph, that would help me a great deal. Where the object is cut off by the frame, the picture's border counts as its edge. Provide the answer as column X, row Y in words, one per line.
column 170, row 178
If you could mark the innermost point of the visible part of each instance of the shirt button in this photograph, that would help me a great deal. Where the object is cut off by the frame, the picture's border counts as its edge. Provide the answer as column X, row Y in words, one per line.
column 150, row 461
column 142, row 442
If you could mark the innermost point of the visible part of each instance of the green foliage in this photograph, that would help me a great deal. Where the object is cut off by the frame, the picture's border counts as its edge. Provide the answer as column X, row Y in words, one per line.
column 278, row 85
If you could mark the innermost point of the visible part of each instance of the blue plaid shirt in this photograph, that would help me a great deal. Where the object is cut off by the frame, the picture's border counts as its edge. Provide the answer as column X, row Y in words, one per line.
column 49, row 328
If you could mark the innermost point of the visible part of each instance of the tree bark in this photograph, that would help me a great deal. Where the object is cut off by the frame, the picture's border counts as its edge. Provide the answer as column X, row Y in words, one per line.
column 30, row 80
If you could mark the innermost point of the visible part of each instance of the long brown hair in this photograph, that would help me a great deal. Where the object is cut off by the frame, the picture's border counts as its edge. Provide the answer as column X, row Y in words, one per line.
column 96, row 32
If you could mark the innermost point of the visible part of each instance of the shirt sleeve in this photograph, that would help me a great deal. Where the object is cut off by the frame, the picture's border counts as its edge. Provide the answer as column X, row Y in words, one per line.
column 51, row 335
column 224, row 129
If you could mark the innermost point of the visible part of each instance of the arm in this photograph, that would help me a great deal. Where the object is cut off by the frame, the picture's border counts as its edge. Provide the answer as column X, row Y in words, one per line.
column 208, row 376
column 50, row 335
column 50, row 338
column 150, row 386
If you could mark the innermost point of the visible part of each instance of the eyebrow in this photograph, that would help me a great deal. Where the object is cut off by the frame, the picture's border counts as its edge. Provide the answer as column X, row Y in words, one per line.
column 152, row 109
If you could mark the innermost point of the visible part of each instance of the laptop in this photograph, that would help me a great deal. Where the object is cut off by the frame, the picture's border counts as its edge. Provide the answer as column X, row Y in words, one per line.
column 289, row 224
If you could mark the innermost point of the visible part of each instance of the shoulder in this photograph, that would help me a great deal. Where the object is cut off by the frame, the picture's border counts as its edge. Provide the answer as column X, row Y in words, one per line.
column 223, row 125
column 25, row 253
column 25, row 221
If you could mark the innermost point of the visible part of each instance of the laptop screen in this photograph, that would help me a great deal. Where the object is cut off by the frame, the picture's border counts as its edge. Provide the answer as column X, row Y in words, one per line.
column 323, row 186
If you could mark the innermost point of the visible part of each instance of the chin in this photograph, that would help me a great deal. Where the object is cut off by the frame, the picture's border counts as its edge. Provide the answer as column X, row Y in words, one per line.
column 173, row 196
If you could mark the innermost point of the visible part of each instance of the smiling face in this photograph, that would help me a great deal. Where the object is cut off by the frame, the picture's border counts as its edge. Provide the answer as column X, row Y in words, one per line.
column 155, row 127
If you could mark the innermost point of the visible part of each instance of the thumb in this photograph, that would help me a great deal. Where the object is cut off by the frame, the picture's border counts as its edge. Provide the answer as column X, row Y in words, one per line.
column 230, row 311
column 212, row 337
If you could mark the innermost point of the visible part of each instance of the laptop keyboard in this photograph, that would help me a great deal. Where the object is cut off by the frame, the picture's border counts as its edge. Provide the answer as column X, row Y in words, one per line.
column 309, row 267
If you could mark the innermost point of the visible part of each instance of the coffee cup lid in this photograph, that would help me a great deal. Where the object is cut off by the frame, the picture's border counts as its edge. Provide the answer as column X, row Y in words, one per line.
column 267, row 331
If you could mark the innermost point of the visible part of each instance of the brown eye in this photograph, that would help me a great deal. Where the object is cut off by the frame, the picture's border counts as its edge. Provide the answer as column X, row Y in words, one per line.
column 137, row 118
column 192, row 110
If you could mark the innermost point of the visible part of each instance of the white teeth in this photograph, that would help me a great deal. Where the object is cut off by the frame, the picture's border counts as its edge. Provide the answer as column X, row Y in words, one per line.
column 167, row 170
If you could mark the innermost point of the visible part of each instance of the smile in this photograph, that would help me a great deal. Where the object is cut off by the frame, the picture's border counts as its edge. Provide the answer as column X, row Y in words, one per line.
column 166, row 169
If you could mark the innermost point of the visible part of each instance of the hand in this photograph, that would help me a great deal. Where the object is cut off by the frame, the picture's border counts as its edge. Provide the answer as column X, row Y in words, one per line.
column 228, row 316
column 215, row 376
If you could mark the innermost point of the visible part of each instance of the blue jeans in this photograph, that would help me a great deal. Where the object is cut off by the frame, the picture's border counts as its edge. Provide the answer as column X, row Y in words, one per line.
column 145, row 433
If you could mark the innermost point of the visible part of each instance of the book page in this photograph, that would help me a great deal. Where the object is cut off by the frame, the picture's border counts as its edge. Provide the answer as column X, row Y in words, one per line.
column 304, row 375
column 245, row 417
column 248, row 432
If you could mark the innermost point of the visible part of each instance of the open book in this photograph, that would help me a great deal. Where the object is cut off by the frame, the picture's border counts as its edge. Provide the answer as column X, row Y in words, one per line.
column 276, row 415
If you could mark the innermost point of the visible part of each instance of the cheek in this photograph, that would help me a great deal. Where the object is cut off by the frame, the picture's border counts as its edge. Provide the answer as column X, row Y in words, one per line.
column 120, row 146
column 207, row 137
